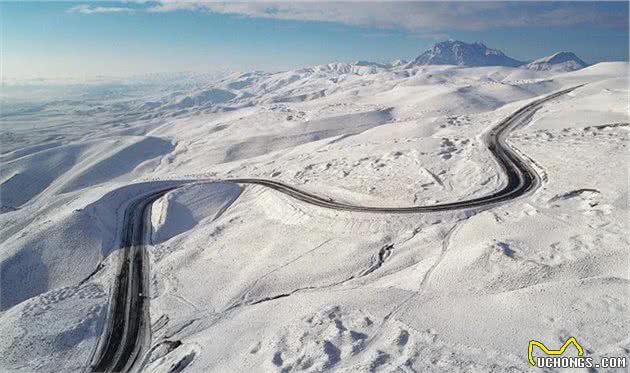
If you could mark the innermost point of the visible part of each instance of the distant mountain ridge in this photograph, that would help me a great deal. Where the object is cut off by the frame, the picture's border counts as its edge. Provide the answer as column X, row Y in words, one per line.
column 561, row 61
column 459, row 53
column 455, row 52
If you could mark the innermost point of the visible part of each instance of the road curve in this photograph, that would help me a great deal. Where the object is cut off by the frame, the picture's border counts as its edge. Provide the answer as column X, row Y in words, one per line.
column 127, row 333
column 521, row 177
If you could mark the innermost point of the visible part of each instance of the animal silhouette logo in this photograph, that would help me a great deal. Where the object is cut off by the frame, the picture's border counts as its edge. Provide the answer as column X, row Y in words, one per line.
column 560, row 351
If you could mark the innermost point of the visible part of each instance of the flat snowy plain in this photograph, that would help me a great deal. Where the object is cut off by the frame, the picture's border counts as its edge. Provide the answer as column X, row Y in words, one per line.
column 246, row 279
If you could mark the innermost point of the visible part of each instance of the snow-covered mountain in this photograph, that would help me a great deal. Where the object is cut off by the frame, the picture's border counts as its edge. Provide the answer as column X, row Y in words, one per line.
column 455, row 52
column 398, row 63
column 561, row 61
column 74, row 159
column 370, row 63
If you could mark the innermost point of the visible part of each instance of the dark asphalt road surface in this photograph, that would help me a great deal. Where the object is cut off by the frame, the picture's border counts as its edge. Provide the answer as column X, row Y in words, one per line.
column 128, row 326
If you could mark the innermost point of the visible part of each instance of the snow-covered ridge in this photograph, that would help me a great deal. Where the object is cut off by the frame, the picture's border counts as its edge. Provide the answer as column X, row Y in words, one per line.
column 247, row 279
column 459, row 53
column 455, row 52
column 560, row 61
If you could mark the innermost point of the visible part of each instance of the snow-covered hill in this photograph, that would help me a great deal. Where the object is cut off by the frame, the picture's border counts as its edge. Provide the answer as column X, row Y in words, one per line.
column 561, row 61
column 245, row 279
column 455, row 52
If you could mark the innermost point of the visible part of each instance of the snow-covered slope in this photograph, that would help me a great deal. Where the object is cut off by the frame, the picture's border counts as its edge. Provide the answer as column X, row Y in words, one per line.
column 398, row 63
column 455, row 52
column 561, row 61
column 244, row 278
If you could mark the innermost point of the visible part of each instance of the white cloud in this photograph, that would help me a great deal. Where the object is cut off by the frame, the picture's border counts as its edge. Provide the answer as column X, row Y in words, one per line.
column 431, row 17
column 412, row 15
column 91, row 9
column 171, row 6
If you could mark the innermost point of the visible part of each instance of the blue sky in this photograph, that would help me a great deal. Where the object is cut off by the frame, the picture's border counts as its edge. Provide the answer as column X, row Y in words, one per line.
column 84, row 39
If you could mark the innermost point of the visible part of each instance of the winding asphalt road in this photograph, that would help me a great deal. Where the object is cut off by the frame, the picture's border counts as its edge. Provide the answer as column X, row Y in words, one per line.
column 127, row 333
column 521, row 177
